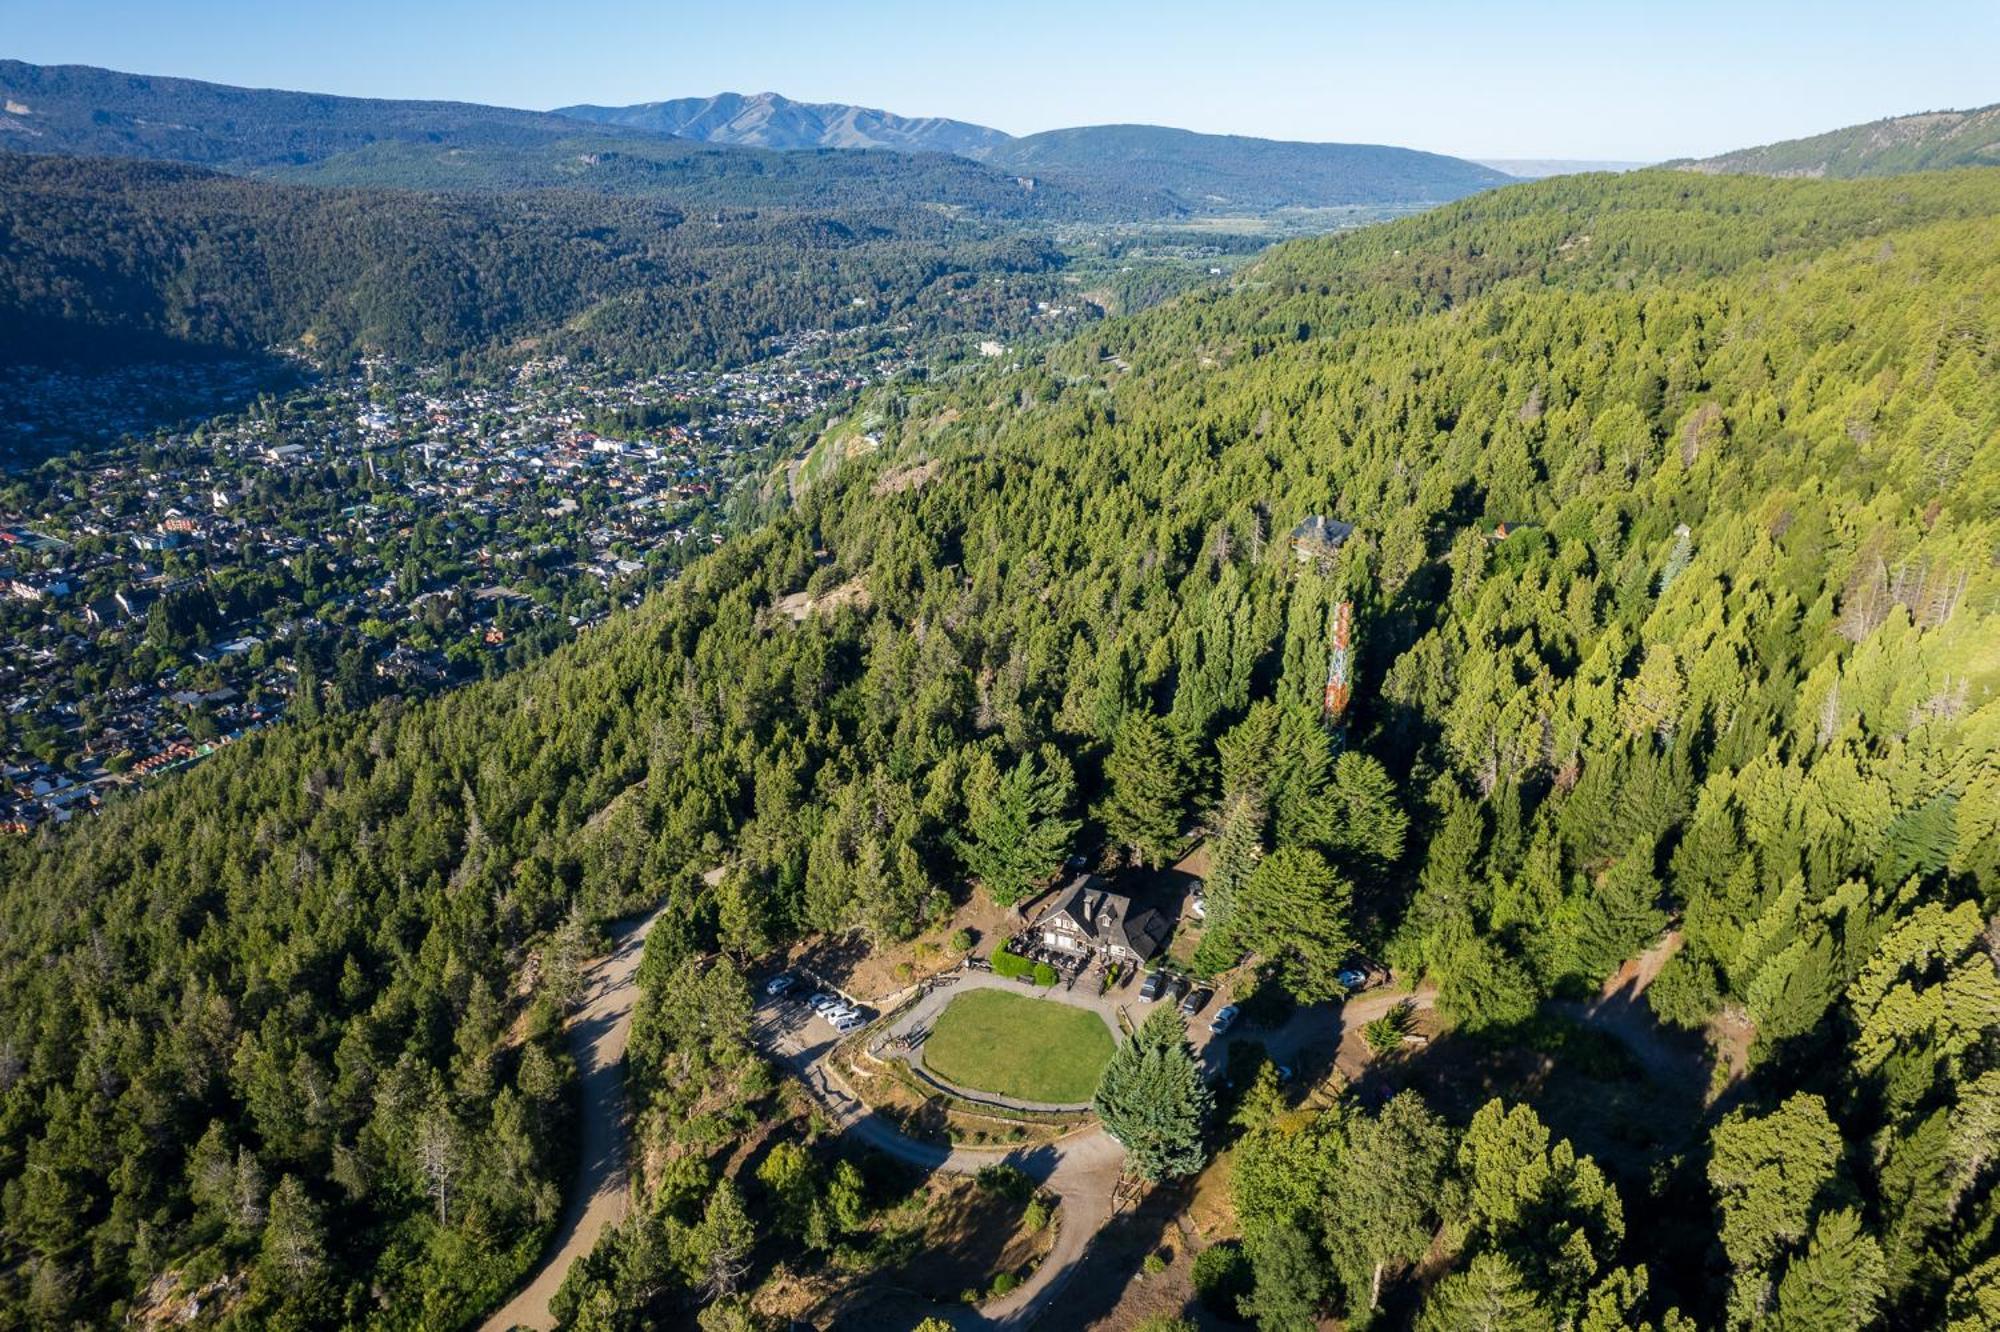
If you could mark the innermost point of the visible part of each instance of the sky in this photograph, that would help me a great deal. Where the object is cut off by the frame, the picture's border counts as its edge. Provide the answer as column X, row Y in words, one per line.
column 1614, row 79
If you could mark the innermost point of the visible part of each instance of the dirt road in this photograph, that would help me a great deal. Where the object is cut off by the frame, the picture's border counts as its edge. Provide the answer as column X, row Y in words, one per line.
column 600, row 1191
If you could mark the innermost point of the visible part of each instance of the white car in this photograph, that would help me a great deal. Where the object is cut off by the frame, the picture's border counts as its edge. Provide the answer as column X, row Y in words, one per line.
column 852, row 1020
column 824, row 1002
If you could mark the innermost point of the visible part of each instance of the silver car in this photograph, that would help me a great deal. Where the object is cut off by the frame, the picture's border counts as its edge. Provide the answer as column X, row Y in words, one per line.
column 1224, row 1019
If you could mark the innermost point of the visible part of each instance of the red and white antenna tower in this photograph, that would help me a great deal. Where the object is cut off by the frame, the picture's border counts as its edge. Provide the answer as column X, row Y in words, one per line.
column 1339, row 686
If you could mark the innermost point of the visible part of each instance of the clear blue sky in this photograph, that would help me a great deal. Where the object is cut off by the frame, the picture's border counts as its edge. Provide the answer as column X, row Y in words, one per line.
column 1561, row 78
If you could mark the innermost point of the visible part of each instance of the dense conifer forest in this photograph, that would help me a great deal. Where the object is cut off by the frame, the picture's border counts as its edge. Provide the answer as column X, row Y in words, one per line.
column 103, row 257
column 1731, row 669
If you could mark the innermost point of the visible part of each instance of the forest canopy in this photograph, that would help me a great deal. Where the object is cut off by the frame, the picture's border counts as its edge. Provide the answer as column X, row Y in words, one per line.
column 1676, row 503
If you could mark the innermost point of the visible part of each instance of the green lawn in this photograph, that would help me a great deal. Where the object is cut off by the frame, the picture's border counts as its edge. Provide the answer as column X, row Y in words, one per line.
column 1029, row 1049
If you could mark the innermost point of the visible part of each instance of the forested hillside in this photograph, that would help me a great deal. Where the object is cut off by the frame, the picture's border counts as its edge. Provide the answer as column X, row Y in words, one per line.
column 1897, row 145
column 1732, row 666
column 106, row 258
column 312, row 138
column 1228, row 172
column 93, row 112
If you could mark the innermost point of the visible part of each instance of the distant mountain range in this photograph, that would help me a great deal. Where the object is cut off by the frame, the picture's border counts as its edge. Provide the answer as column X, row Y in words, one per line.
column 1205, row 172
column 768, row 120
column 311, row 138
column 729, row 150
column 80, row 110
column 1540, row 168
column 1930, row 141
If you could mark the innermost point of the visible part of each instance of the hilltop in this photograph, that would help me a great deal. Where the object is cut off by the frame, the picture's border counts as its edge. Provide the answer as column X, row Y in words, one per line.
column 769, row 120
column 1228, row 172
column 1930, row 141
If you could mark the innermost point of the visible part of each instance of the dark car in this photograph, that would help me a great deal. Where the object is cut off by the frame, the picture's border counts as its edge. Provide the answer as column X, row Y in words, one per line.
column 1149, row 989
column 1177, row 986
column 1196, row 1001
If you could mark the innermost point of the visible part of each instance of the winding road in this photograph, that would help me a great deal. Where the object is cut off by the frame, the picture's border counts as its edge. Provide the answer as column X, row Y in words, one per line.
column 1082, row 1169
column 600, row 1191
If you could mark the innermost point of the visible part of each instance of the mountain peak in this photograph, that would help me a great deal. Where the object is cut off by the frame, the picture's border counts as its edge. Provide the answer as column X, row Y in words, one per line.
column 772, row 120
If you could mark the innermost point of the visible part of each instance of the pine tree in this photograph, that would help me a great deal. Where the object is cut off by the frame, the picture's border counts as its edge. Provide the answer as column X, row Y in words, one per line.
column 1392, row 1184
column 1837, row 1284
column 1769, row 1173
column 1488, row 1296
column 1290, row 1279
column 721, row 1244
column 1620, row 917
column 1014, row 833
column 1551, row 1211
column 294, row 1248
column 1152, row 1099
column 1145, row 787
column 1234, row 851
column 1293, row 909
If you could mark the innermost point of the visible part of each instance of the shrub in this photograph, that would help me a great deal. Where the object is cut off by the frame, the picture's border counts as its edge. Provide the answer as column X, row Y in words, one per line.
column 1009, row 1181
column 1153, row 1264
column 1036, row 1218
column 1045, row 975
column 1215, row 954
column 1222, row 1278
column 1002, row 1283
column 1010, row 964
column 1685, row 993
column 961, row 941
column 1385, row 1034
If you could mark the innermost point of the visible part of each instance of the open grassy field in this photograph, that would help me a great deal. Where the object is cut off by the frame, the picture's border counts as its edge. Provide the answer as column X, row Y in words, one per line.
column 1012, row 1045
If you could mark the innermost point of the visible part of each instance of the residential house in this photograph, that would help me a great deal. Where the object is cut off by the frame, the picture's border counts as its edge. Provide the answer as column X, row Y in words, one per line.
column 1087, row 918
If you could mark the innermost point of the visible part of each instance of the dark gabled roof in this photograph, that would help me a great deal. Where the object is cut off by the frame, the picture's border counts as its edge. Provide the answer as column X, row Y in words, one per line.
column 1318, row 528
column 1107, row 917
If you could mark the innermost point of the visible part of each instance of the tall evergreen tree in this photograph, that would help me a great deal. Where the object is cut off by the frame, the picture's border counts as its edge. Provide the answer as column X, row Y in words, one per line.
column 1152, row 1099
column 1293, row 909
column 1145, row 787
column 1015, row 834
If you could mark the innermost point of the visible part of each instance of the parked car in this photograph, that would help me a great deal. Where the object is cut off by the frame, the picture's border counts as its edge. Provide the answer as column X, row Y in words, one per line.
column 839, row 1011
column 1225, row 1018
column 1177, row 986
column 852, row 1020
column 1198, row 906
column 823, row 1001
column 782, row 983
column 1149, row 988
column 1196, row 1001
column 1353, row 978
